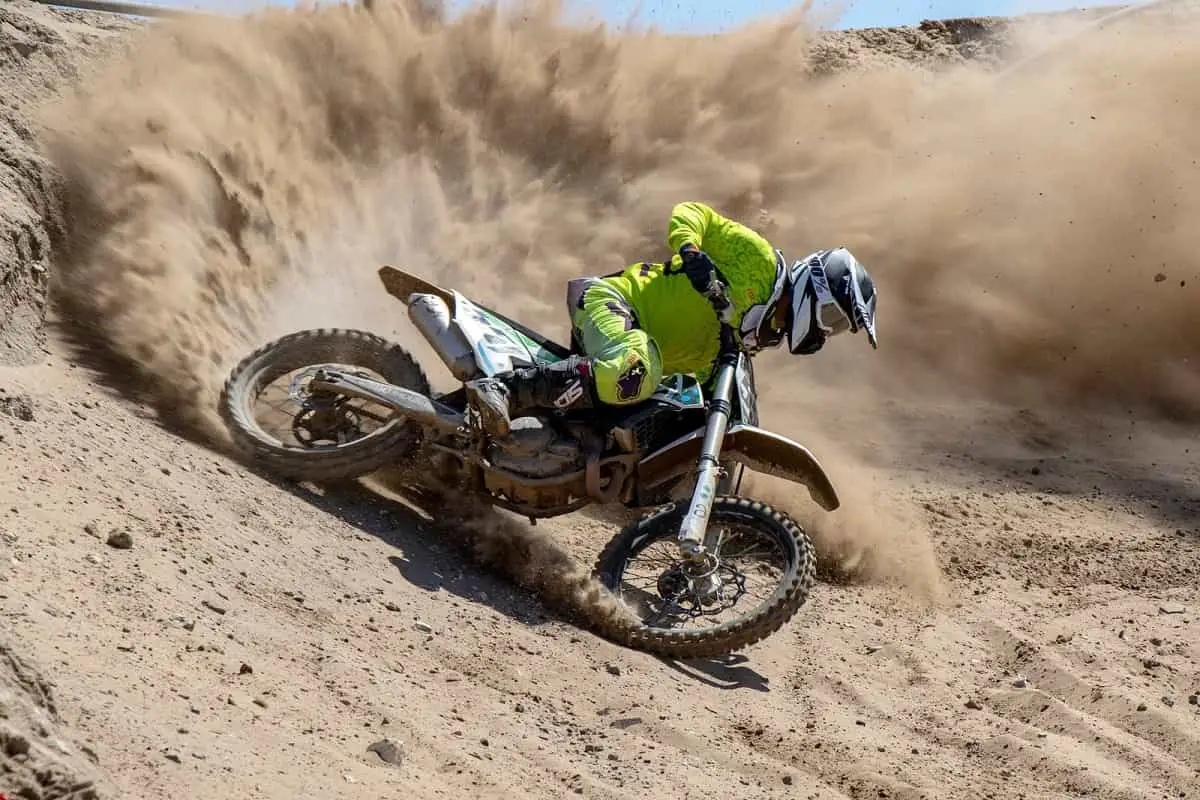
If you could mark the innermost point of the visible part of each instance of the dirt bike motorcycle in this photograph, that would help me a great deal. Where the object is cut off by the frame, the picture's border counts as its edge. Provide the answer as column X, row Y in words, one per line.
column 680, row 455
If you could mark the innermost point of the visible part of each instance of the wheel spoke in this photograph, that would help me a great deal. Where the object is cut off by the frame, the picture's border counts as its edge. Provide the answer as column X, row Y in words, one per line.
column 755, row 553
column 326, row 436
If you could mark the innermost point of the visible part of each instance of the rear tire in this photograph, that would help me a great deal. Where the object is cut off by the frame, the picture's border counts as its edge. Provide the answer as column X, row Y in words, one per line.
column 389, row 444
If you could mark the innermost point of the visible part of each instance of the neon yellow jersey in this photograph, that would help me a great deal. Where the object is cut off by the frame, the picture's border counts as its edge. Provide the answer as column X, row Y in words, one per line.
column 679, row 318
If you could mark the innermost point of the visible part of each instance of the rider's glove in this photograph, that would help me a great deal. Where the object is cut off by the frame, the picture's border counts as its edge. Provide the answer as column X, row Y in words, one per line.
column 702, row 273
column 698, row 266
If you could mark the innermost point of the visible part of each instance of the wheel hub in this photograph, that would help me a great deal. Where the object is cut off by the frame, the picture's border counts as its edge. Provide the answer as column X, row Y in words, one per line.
column 325, row 415
column 708, row 587
column 337, row 423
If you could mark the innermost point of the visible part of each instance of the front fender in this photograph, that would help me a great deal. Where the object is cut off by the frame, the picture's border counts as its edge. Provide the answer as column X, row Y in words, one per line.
column 757, row 449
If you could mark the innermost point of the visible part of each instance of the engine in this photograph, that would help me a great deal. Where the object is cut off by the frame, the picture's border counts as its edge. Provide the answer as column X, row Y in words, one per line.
column 533, row 449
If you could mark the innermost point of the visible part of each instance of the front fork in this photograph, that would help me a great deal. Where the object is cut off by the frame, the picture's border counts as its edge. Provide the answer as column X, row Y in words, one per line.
column 693, row 531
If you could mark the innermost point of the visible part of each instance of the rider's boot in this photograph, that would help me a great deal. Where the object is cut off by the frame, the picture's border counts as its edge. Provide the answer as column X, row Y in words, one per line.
column 565, row 385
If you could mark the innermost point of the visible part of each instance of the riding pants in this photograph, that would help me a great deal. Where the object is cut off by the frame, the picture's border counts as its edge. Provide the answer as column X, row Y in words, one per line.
column 626, row 363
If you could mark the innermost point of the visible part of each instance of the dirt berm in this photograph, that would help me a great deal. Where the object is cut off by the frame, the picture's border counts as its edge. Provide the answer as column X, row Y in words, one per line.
column 1009, row 599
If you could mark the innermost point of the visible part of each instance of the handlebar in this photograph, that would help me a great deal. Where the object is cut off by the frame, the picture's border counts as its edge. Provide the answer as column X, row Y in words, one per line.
column 717, row 295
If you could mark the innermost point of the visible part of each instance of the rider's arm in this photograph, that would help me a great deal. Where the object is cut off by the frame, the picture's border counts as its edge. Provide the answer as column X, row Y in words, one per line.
column 689, row 222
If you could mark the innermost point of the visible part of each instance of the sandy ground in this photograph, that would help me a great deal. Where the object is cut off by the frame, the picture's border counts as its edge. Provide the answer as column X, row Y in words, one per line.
column 256, row 641
column 186, row 628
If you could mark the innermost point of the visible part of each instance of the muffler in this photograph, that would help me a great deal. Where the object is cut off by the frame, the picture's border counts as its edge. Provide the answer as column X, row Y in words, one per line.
column 432, row 318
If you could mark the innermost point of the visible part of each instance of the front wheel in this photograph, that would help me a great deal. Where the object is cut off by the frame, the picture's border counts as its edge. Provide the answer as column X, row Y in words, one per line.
column 666, row 592
column 329, row 430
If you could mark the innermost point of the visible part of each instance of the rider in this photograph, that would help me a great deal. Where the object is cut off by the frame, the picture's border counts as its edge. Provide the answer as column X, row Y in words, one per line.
column 648, row 320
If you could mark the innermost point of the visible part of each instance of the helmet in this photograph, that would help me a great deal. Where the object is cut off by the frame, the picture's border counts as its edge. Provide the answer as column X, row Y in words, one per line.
column 831, row 293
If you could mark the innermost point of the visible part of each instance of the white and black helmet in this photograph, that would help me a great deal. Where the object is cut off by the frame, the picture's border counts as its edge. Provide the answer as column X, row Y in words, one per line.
column 831, row 293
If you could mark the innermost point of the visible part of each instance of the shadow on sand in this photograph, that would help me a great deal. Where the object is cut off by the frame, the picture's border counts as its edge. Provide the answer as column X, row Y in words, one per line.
column 431, row 554
column 435, row 554
column 727, row 672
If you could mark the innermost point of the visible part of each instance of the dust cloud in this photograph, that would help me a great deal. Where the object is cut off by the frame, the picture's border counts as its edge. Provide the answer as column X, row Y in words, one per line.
column 1017, row 227
column 539, row 563
column 530, row 557
column 233, row 179
column 873, row 538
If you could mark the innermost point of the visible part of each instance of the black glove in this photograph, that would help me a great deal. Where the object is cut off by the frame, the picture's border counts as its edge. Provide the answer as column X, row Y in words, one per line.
column 698, row 266
column 702, row 273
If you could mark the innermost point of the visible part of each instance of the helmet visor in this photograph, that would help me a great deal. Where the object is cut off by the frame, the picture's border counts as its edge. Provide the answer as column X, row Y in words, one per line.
column 864, row 313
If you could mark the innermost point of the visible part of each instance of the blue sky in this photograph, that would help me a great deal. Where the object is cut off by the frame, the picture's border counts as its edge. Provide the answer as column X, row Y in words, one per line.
column 708, row 16
column 703, row 16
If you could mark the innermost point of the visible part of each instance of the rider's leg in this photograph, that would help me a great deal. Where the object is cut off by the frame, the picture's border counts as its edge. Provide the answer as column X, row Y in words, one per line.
column 563, row 384
column 620, row 364
column 626, row 365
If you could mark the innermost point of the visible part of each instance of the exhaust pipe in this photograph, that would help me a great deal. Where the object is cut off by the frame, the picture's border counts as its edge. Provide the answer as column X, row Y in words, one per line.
column 432, row 318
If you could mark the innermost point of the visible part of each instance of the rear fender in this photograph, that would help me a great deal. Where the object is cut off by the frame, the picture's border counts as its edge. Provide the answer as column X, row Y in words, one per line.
column 757, row 449
column 402, row 285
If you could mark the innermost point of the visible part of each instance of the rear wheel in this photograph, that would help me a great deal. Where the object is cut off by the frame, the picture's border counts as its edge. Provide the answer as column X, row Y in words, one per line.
column 328, row 440
column 643, row 567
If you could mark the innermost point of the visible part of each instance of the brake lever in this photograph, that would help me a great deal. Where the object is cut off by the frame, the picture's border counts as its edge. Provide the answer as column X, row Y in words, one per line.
column 718, row 297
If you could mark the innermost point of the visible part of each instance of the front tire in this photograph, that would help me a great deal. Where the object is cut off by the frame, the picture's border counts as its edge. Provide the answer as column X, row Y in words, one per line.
column 791, row 592
column 344, row 461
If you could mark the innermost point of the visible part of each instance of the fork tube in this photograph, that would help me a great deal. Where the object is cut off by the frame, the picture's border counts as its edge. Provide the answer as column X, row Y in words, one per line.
column 695, row 522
